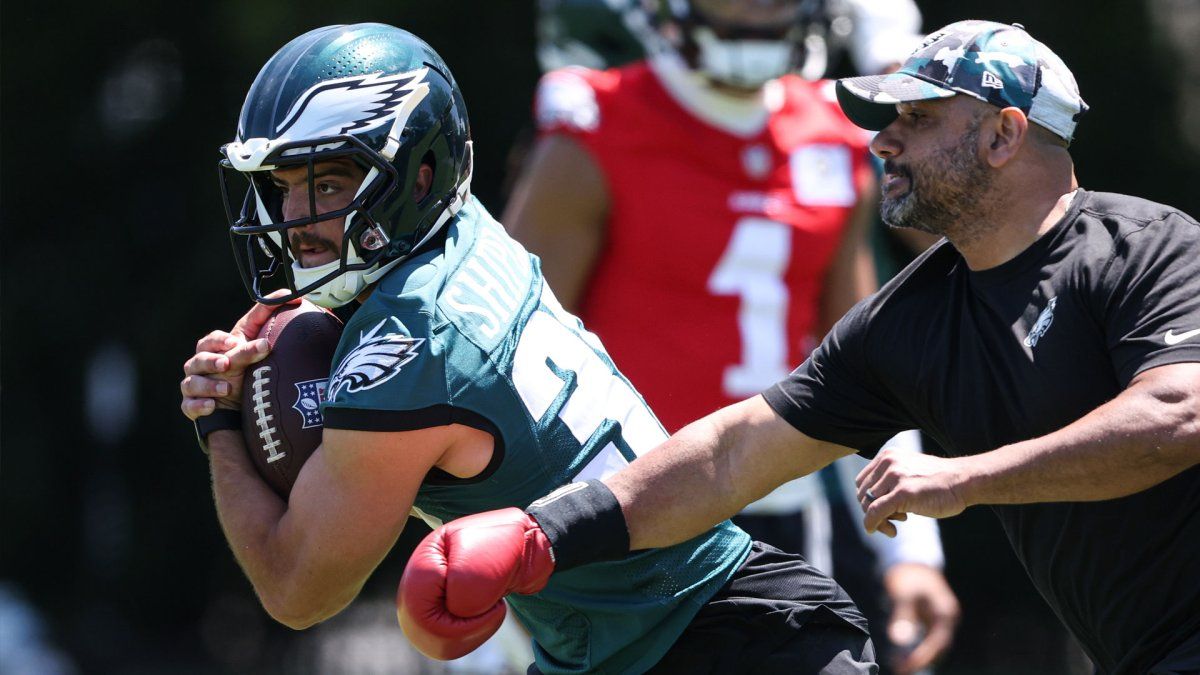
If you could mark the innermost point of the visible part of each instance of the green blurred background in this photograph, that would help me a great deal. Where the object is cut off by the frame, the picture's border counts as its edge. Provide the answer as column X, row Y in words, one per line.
column 115, row 260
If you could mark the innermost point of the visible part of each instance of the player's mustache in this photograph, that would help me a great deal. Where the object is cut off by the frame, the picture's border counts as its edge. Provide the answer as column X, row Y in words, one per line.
column 305, row 238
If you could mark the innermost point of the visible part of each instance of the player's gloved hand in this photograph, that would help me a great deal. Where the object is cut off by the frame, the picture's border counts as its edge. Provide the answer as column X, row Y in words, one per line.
column 451, row 597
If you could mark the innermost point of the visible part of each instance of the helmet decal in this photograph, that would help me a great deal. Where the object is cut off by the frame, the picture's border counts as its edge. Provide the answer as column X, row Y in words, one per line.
column 354, row 104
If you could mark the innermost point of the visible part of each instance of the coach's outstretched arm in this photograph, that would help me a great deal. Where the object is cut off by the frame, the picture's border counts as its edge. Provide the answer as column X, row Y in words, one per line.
column 451, row 596
column 711, row 469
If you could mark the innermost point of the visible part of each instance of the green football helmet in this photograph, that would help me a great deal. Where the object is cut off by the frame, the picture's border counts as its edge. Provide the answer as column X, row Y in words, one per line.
column 370, row 93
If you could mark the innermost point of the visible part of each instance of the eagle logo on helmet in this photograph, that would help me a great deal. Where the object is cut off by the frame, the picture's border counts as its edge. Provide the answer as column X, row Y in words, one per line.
column 354, row 105
column 376, row 359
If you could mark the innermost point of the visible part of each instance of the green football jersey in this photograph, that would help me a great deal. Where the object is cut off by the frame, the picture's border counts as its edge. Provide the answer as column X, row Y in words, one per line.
column 470, row 334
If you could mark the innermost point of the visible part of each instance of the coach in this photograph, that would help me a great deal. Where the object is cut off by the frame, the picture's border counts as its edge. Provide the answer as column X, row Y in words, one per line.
column 1051, row 344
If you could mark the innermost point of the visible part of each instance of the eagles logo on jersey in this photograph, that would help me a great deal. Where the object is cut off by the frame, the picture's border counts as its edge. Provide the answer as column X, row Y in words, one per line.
column 376, row 359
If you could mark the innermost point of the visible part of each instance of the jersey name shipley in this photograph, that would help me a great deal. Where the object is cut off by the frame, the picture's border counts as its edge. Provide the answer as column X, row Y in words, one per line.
column 489, row 288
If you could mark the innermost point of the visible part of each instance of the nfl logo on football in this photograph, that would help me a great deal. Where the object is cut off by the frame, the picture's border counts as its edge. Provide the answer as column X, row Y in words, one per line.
column 308, row 401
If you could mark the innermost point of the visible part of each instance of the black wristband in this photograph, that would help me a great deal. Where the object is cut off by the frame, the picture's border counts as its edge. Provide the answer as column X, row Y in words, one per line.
column 584, row 524
column 221, row 418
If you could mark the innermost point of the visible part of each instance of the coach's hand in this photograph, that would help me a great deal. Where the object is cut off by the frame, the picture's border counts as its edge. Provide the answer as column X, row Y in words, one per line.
column 897, row 483
column 451, row 597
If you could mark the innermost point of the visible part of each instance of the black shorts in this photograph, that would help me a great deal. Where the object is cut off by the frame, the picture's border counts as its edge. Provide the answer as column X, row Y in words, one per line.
column 777, row 615
column 854, row 563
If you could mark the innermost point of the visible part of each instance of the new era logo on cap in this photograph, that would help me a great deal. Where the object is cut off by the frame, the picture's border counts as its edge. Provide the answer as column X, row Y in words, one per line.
column 994, row 62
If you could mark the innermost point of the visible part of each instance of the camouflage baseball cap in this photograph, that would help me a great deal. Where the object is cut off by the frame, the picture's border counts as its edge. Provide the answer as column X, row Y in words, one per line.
column 993, row 62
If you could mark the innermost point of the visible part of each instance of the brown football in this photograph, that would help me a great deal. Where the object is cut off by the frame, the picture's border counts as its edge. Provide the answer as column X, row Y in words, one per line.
column 282, row 394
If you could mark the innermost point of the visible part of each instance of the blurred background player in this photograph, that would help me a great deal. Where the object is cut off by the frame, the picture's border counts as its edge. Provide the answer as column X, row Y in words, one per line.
column 707, row 211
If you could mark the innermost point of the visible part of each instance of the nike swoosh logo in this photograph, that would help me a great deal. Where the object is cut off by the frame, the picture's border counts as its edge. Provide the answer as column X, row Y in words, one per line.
column 1173, row 338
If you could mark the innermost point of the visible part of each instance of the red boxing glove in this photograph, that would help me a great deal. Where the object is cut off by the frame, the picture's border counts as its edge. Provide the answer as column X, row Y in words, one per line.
column 451, row 597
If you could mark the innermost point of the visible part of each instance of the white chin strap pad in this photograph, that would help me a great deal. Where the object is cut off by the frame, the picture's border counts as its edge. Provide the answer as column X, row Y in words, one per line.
column 748, row 64
column 337, row 291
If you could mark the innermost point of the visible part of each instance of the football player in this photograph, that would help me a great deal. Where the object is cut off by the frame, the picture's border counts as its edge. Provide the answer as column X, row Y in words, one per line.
column 460, row 385
column 704, row 210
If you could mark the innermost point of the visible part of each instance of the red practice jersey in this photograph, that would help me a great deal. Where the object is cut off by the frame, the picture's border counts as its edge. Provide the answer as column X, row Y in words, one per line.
column 708, row 287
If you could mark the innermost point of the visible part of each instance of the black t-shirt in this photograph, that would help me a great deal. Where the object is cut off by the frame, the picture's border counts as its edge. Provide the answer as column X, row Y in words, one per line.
column 982, row 359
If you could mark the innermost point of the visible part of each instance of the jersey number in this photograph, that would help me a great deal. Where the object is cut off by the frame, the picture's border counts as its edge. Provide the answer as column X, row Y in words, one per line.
column 558, row 374
column 752, row 268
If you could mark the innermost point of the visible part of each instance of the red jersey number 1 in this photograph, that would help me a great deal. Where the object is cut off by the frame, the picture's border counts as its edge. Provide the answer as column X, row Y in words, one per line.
column 752, row 268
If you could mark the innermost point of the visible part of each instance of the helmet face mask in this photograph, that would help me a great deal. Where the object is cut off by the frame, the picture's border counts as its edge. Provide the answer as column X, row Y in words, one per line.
column 743, row 63
column 369, row 94
column 742, row 44
column 261, row 234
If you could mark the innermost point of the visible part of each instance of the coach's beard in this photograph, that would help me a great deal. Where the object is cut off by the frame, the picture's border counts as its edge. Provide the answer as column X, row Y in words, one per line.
column 945, row 192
